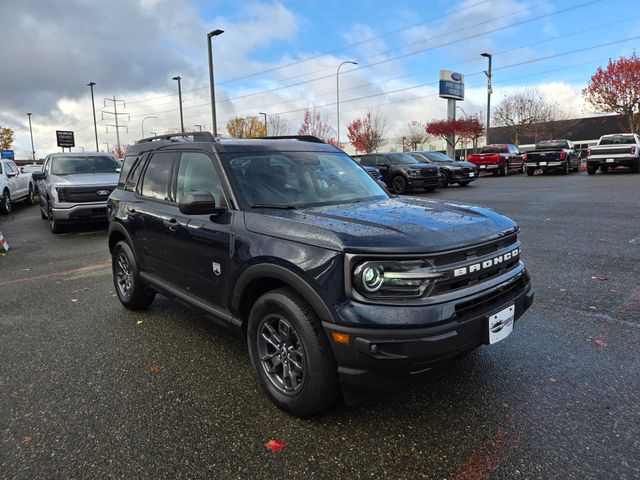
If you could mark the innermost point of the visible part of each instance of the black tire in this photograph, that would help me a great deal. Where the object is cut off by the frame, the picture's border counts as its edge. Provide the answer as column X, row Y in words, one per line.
column 132, row 293
column 635, row 168
column 399, row 184
column 504, row 170
column 604, row 169
column 592, row 169
column 31, row 198
column 530, row 171
column 429, row 189
column 42, row 215
column 5, row 203
column 464, row 184
column 566, row 168
column 54, row 225
column 444, row 180
column 312, row 384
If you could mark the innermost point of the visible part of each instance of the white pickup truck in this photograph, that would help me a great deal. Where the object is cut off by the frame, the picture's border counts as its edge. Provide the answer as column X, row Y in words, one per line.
column 14, row 186
column 617, row 150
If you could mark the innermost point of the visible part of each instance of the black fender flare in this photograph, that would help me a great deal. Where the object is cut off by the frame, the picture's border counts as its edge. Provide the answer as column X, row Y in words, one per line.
column 116, row 227
column 284, row 275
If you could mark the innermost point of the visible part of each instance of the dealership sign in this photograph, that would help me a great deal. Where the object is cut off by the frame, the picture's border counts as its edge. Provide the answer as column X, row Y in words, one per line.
column 451, row 85
column 65, row 138
column 7, row 154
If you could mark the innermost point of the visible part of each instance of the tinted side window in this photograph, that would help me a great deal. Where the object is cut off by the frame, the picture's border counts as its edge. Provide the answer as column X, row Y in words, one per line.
column 155, row 183
column 196, row 173
column 126, row 168
column 367, row 160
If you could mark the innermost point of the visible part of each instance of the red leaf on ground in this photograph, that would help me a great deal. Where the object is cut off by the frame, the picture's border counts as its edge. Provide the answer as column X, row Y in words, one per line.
column 600, row 343
column 155, row 368
column 275, row 445
column 601, row 278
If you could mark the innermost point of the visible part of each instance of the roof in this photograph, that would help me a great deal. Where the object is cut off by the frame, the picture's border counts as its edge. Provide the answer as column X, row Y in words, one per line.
column 79, row 154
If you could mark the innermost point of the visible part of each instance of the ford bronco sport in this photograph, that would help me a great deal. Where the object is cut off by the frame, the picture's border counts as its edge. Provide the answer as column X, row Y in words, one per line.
column 338, row 287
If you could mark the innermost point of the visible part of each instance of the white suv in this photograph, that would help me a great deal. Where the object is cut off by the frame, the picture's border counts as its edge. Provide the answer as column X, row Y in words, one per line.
column 14, row 186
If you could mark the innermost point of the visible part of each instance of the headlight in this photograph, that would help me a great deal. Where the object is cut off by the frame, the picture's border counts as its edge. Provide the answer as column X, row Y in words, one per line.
column 62, row 194
column 414, row 173
column 394, row 279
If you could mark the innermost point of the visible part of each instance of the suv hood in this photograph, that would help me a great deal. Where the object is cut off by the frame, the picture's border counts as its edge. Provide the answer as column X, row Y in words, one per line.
column 395, row 225
column 85, row 179
column 457, row 163
column 419, row 166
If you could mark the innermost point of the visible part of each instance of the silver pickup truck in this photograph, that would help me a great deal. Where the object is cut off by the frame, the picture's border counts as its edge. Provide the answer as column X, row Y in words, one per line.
column 74, row 187
column 14, row 186
column 617, row 150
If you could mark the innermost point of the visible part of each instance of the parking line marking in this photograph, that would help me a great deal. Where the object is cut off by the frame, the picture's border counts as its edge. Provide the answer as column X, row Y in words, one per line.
column 86, row 268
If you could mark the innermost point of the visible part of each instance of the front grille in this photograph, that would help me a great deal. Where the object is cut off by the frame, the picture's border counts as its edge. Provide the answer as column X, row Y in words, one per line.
column 429, row 172
column 492, row 300
column 85, row 194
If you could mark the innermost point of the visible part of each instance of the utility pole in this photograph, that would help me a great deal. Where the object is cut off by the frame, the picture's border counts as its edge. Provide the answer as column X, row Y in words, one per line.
column 212, row 91
column 266, row 128
column 489, row 90
column 115, row 114
column 178, row 78
column 199, row 126
column 93, row 105
column 33, row 150
column 338, row 97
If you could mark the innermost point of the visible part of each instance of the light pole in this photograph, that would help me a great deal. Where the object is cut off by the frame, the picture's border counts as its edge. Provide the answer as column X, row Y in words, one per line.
column 266, row 128
column 199, row 127
column 143, row 124
column 108, row 149
column 338, row 95
column 93, row 105
column 178, row 78
column 210, row 35
column 33, row 150
column 489, row 91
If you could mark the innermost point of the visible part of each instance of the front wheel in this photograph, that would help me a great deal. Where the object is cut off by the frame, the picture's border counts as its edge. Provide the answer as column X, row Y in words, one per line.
column 54, row 225
column 5, row 203
column 444, row 180
column 464, row 184
column 290, row 353
column 132, row 293
column 399, row 184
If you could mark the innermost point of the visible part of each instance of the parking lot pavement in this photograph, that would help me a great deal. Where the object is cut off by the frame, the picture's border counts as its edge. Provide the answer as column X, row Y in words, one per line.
column 91, row 390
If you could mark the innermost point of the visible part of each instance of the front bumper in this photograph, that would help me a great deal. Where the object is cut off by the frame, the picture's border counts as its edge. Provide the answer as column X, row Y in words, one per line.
column 462, row 176
column 424, row 181
column 386, row 358
column 86, row 212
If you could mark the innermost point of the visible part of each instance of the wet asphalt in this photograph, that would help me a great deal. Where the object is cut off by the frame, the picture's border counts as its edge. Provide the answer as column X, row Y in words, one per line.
column 91, row 390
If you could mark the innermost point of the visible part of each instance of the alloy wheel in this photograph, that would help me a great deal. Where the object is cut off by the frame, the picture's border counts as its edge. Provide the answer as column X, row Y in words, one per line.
column 281, row 354
column 123, row 275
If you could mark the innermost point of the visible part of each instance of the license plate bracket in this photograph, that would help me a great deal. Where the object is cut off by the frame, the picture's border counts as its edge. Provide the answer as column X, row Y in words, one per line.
column 500, row 324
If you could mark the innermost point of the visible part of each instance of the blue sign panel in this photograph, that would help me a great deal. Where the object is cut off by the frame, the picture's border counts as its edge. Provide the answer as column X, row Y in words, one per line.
column 451, row 85
column 7, row 154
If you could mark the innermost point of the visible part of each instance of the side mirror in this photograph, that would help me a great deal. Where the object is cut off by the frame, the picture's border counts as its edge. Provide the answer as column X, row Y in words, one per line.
column 38, row 176
column 199, row 203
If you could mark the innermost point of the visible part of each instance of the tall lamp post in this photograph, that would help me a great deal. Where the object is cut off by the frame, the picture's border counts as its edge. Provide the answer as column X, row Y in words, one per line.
column 93, row 105
column 199, row 126
column 338, row 94
column 266, row 128
column 210, row 35
column 178, row 78
column 489, row 91
column 143, row 124
column 33, row 150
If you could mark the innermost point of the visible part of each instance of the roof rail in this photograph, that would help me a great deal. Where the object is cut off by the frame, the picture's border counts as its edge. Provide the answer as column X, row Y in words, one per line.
column 302, row 138
column 197, row 137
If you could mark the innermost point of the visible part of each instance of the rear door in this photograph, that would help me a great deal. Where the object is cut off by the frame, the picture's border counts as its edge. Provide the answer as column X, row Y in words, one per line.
column 516, row 158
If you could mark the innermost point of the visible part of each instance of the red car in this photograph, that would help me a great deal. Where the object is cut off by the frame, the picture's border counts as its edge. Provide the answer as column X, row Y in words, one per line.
column 499, row 159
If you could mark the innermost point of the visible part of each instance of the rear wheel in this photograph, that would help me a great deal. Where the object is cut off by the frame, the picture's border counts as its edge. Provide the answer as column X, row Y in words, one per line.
column 566, row 168
column 530, row 171
column 290, row 353
column 5, row 202
column 604, row 169
column 31, row 198
column 132, row 293
column 592, row 169
column 504, row 170
column 635, row 168
column 399, row 184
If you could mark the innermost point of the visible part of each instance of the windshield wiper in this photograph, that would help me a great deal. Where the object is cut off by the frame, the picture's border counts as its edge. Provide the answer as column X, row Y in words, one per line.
column 272, row 205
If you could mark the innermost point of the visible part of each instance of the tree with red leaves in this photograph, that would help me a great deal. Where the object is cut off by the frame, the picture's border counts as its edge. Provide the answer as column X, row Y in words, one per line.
column 366, row 134
column 119, row 151
column 616, row 88
column 314, row 123
column 446, row 130
column 471, row 129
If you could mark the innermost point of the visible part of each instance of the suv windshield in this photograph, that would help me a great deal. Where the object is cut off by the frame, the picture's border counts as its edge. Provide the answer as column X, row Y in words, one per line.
column 552, row 144
column 494, row 149
column 618, row 140
column 437, row 157
column 300, row 179
column 401, row 159
column 84, row 164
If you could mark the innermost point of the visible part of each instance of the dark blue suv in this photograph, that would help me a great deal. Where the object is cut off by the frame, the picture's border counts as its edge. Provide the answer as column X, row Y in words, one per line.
column 337, row 286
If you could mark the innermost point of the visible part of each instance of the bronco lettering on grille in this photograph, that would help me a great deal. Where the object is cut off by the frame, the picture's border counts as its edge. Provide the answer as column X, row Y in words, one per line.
column 476, row 267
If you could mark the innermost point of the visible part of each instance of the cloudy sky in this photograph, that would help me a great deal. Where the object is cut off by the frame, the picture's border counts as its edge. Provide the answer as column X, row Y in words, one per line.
column 281, row 57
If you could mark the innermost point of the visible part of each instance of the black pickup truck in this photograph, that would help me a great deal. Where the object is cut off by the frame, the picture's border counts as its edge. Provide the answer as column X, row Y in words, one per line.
column 552, row 155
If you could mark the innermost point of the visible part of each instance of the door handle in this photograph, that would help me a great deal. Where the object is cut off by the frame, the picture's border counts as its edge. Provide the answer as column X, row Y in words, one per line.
column 171, row 224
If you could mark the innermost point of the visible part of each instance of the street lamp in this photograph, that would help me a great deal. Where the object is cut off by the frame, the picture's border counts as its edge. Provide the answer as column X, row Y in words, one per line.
column 210, row 35
column 338, row 94
column 33, row 150
column 199, row 127
column 489, row 90
column 93, row 105
column 178, row 78
column 143, row 124
column 266, row 128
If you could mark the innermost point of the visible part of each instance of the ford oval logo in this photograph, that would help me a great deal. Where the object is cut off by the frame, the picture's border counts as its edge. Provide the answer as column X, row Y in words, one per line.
column 456, row 76
column 102, row 193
